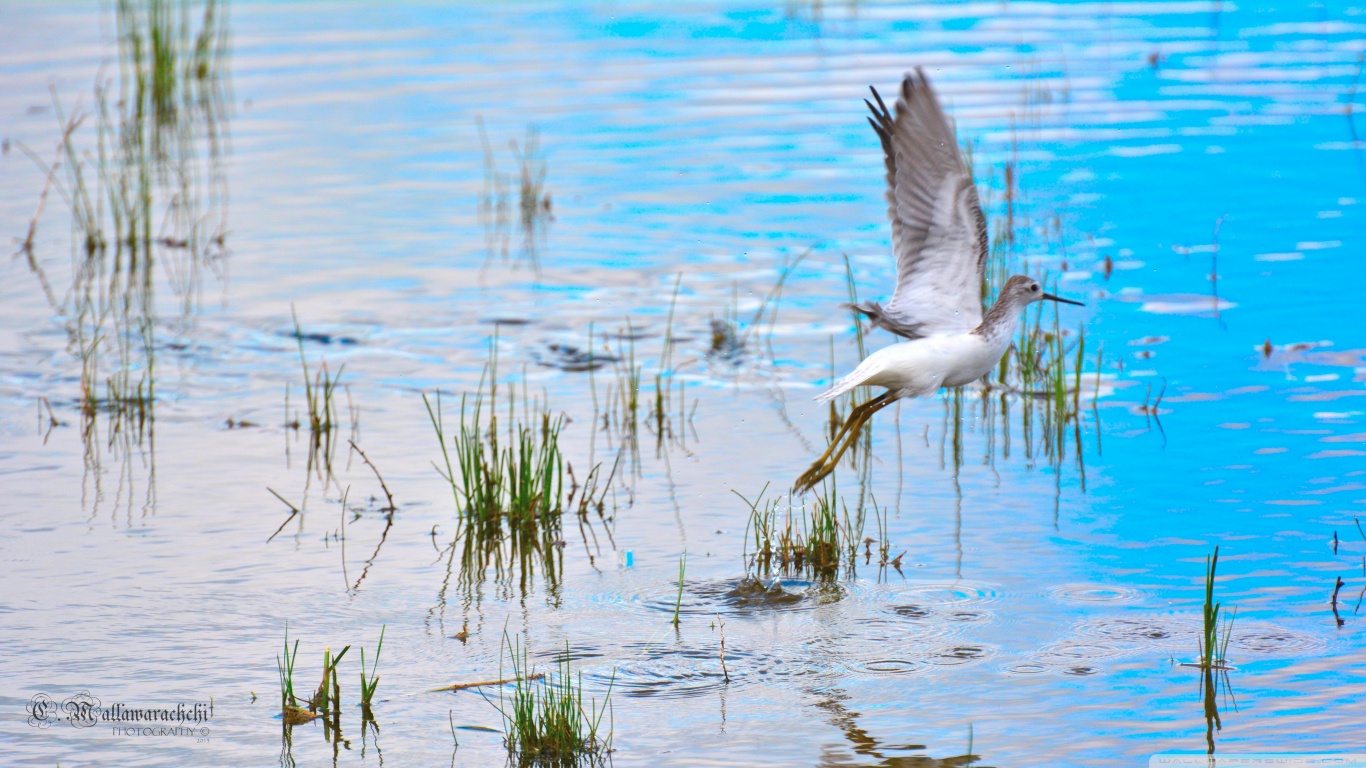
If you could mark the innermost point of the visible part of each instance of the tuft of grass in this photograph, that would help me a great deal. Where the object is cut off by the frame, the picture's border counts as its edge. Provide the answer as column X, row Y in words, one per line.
column 320, row 398
column 820, row 539
column 285, row 665
column 507, row 480
column 327, row 699
column 508, row 484
column 546, row 720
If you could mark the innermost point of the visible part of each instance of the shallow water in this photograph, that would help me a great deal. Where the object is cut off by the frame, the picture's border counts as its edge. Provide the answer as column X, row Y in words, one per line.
column 1038, row 611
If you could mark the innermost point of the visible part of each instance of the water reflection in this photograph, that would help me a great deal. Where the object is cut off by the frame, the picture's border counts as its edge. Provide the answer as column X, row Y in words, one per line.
column 1214, row 687
column 533, row 203
column 874, row 752
column 148, row 202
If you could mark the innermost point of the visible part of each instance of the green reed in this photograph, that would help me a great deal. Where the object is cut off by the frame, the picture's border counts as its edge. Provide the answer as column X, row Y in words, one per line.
column 548, row 720
column 327, row 699
column 1214, row 637
column 320, row 398
column 678, row 602
column 285, row 665
column 369, row 678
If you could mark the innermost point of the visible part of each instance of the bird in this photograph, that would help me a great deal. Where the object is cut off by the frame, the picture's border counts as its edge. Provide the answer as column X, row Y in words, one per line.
column 939, row 239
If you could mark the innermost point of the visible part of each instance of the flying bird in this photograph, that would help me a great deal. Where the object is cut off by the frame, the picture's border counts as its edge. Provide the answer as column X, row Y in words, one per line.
column 939, row 238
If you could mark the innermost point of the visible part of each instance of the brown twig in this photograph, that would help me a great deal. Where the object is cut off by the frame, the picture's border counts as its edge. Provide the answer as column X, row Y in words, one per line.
column 294, row 511
column 484, row 683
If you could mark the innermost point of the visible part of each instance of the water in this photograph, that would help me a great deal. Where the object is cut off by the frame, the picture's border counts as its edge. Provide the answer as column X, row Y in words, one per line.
column 1035, row 619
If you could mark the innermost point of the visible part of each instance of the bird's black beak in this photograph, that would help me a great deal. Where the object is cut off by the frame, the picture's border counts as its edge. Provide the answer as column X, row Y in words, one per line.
column 1061, row 300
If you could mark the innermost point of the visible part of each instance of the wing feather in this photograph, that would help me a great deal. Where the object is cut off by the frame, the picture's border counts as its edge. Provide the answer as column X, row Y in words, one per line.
column 939, row 235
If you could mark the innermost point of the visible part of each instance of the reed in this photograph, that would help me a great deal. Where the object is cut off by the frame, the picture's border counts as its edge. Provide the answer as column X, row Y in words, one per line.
column 320, row 400
column 678, row 602
column 1214, row 637
column 327, row 698
column 145, row 195
column 533, row 201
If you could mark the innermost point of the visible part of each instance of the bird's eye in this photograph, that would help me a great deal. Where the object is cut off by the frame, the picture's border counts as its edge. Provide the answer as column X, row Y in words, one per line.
column 1034, row 288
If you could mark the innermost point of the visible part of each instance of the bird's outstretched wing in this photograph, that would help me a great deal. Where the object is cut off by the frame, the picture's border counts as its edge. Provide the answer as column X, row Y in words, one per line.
column 939, row 235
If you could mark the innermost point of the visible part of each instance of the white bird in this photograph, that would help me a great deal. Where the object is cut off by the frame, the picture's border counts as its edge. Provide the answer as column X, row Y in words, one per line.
column 939, row 238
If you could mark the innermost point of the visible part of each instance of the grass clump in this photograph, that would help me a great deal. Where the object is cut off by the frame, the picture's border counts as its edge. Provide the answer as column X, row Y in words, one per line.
column 507, row 477
column 547, row 719
column 820, row 539
column 507, row 484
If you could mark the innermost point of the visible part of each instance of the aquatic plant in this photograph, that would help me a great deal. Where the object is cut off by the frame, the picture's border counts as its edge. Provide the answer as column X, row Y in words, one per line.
column 1213, row 640
column 327, row 699
column 320, row 396
column 545, row 719
column 369, row 678
column 678, row 603
column 285, row 665
column 146, row 198
column 508, row 482
column 820, row 538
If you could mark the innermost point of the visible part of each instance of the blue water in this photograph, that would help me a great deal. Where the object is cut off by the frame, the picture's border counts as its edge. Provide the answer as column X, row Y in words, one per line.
column 717, row 140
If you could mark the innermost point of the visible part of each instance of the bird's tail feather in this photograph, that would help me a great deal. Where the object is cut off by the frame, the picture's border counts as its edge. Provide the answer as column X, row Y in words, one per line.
column 858, row 376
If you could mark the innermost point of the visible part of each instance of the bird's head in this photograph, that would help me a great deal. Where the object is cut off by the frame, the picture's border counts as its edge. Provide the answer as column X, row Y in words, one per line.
column 1022, row 290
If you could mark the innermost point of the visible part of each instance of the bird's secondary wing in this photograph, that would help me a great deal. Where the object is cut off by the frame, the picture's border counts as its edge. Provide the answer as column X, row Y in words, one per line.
column 939, row 235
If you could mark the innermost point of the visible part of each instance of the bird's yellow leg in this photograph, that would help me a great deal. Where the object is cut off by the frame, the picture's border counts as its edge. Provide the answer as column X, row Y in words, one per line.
column 840, row 433
column 841, row 443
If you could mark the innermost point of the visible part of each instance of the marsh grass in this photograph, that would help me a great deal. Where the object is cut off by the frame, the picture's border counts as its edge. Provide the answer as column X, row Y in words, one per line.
column 1046, row 386
column 285, row 665
column 320, row 399
column 820, row 539
column 547, row 719
column 325, row 704
column 507, row 480
column 327, row 698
